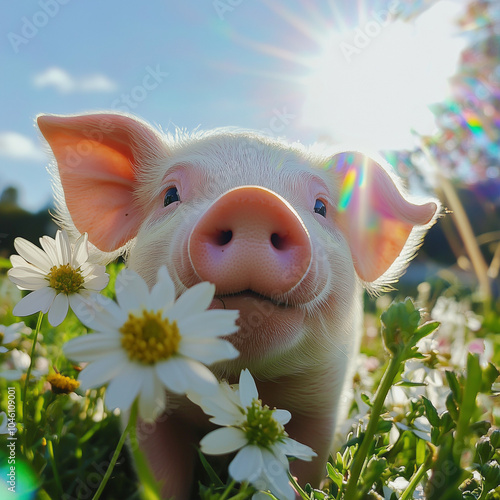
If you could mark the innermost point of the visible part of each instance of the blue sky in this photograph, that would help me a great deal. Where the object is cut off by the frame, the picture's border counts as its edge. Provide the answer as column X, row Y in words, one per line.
column 282, row 67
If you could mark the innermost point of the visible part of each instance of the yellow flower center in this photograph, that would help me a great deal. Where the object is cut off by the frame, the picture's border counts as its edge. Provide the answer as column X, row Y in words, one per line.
column 261, row 428
column 65, row 279
column 149, row 338
column 61, row 384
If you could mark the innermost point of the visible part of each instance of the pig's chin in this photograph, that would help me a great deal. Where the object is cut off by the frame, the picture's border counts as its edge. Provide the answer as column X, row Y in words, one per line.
column 266, row 326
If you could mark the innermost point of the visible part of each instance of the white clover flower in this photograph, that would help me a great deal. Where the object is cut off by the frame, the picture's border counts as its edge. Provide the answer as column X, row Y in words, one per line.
column 17, row 366
column 148, row 341
column 256, row 431
column 11, row 333
column 59, row 276
column 399, row 484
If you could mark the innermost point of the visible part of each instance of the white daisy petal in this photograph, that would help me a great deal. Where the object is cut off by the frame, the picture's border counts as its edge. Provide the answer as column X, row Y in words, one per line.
column 97, row 283
column 18, row 261
column 248, row 389
column 163, row 293
column 39, row 300
column 24, row 269
column 211, row 323
column 80, row 306
column 226, row 419
column 80, row 251
column 193, row 301
column 247, row 464
column 277, row 477
column 171, row 373
column 282, row 416
column 32, row 254
column 27, row 279
column 131, row 290
column 208, row 351
column 221, row 411
column 89, row 270
column 101, row 371
column 152, row 398
column 221, row 406
column 101, row 313
column 222, row 441
column 91, row 347
column 49, row 246
column 277, row 451
column 181, row 375
column 59, row 309
column 63, row 248
column 124, row 387
column 293, row 448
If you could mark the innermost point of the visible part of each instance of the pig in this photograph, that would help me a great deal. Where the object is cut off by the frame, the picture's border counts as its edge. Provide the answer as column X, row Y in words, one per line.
column 290, row 236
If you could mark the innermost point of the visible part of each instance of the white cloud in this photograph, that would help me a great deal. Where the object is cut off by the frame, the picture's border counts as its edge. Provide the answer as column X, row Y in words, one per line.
column 65, row 83
column 19, row 147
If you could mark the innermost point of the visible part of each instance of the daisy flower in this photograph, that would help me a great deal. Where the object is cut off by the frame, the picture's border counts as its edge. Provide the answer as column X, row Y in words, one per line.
column 61, row 384
column 11, row 333
column 149, row 341
column 256, row 431
column 58, row 275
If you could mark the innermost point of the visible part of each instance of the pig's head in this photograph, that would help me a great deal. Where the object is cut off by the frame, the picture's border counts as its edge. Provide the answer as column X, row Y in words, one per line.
column 286, row 235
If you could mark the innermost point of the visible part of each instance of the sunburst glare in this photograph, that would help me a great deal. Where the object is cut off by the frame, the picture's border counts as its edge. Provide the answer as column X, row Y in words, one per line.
column 372, row 83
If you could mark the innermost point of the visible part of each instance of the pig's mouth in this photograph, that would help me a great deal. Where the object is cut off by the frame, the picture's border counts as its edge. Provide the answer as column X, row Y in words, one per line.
column 266, row 323
column 248, row 296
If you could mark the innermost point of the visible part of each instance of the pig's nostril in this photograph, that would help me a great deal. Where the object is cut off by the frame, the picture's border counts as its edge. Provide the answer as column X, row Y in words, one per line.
column 278, row 242
column 223, row 238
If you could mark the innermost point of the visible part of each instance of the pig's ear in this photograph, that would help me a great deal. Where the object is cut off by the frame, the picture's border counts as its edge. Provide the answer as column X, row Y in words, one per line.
column 382, row 228
column 98, row 157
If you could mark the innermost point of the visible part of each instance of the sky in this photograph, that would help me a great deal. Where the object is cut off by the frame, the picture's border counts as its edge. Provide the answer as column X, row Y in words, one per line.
column 332, row 70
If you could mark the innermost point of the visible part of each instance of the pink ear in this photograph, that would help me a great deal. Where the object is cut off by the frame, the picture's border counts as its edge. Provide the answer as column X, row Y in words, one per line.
column 97, row 157
column 373, row 215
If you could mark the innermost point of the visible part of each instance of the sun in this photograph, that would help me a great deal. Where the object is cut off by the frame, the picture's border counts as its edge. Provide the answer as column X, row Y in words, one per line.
column 372, row 84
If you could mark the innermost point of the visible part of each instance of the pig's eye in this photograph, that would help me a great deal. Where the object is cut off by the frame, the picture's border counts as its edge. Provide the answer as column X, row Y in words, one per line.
column 171, row 196
column 320, row 208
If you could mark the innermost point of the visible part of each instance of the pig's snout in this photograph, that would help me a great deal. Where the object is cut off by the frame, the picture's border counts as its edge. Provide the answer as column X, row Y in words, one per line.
column 250, row 239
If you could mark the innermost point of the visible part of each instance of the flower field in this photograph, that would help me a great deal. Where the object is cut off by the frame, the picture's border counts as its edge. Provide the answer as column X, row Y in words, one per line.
column 423, row 420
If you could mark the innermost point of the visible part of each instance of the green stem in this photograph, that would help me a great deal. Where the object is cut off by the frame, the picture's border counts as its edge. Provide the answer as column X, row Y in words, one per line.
column 487, row 487
column 57, row 479
column 243, row 493
column 116, row 454
column 150, row 488
column 26, row 382
column 228, row 490
column 360, row 456
column 240, row 496
column 467, row 406
column 417, row 477
column 296, row 485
